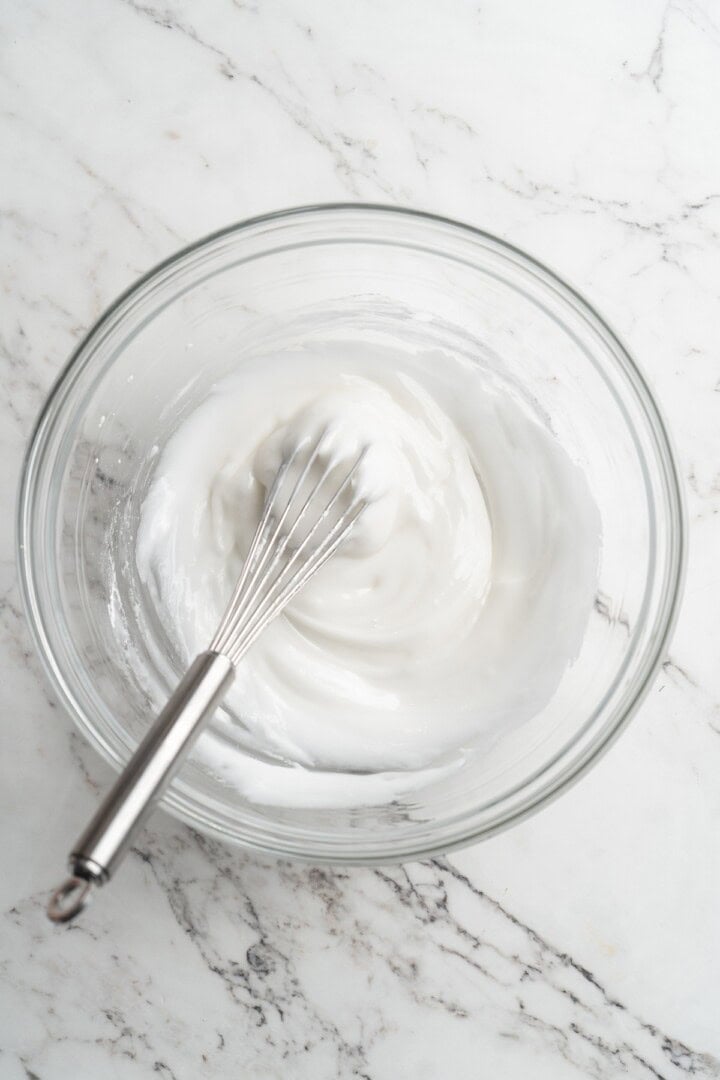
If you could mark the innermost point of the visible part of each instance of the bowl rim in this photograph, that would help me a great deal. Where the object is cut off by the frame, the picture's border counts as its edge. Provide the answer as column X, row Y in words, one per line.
column 172, row 801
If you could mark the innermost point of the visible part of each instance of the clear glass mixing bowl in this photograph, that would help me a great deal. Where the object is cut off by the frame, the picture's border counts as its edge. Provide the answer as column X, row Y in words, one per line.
column 373, row 274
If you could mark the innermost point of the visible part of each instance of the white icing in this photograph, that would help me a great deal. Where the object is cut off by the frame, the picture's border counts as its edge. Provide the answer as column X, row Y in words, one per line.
column 454, row 608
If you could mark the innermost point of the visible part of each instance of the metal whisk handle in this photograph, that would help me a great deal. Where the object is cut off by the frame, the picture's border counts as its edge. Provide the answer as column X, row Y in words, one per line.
column 102, row 845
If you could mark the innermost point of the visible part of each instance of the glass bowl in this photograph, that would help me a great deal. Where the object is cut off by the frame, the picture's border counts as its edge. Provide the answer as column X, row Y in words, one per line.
column 371, row 273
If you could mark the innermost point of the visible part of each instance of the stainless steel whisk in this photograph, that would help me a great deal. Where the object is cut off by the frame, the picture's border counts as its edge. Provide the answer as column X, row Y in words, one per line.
column 303, row 522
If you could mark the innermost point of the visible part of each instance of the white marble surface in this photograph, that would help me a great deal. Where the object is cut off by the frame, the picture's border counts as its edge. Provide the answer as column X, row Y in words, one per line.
column 585, row 942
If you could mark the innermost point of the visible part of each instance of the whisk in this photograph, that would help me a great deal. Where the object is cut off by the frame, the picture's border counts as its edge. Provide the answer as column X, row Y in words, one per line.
column 304, row 521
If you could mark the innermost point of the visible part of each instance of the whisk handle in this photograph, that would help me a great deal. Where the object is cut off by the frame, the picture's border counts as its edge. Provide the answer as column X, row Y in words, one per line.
column 102, row 845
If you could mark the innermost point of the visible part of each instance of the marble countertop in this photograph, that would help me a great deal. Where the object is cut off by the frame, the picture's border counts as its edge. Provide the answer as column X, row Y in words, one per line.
column 584, row 942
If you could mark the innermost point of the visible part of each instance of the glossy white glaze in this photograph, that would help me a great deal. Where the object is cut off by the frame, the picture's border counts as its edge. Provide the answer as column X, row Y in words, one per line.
column 429, row 631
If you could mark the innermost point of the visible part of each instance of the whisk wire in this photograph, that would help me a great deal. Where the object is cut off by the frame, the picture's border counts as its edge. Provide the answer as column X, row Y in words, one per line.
column 259, row 595
column 257, row 546
column 271, row 598
column 265, row 613
column 279, row 545
column 262, row 544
